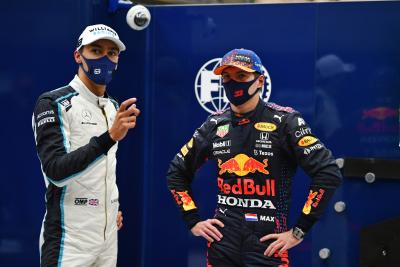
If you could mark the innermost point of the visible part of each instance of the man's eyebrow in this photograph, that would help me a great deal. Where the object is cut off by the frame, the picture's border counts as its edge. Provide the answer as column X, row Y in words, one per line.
column 95, row 45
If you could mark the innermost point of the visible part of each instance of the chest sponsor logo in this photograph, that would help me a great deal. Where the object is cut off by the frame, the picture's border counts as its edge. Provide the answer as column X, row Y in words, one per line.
column 278, row 117
column 83, row 201
column 45, row 120
column 221, row 152
column 313, row 200
column 263, row 146
column 264, row 136
column 242, row 164
column 245, row 202
column 265, row 126
column 214, row 120
column 307, row 141
column 65, row 103
column 222, row 130
column 300, row 122
column 259, row 152
column 310, row 149
column 220, row 144
column 86, row 115
column 247, row 186
column 264, row 140
column 302, row 132
column 80, row 201
column 93, row 202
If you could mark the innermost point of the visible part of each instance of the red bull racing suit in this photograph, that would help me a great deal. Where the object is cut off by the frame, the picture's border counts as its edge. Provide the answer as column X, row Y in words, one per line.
column 257, row 155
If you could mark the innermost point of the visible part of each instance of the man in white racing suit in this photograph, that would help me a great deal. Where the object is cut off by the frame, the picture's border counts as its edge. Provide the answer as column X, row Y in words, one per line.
column 76, row 129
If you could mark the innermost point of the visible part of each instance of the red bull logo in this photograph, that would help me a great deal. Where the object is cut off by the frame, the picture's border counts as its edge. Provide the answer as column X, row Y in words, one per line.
column 380, row 113
column 183, row 199
column 311, row 202
column 242, row 164
column 247, row 187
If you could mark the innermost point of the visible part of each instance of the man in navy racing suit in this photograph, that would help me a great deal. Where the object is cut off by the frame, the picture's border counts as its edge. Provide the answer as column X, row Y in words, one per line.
column 257, row 147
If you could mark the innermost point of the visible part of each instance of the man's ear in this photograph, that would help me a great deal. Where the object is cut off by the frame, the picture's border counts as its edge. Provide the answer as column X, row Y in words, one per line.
column 77, row 57
column 261, row 80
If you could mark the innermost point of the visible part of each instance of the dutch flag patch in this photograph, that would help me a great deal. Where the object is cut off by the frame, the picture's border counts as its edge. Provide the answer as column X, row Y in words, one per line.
column 251, row 217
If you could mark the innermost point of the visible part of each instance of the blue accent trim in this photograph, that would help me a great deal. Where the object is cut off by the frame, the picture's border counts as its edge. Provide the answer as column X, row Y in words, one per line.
column 116, row 105
column 66, row 146
column 62, row 227
column 66, row 96
column 75, row 174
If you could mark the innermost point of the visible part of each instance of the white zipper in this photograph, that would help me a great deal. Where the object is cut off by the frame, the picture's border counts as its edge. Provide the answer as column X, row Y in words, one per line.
column 105, row 181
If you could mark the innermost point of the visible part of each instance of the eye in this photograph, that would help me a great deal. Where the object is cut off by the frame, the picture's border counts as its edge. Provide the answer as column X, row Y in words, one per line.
column 95, row 50
column 225, row 77
column 112, row 53
column 242, row 76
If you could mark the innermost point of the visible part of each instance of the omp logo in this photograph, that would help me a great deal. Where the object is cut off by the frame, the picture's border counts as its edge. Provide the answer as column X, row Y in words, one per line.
column 210, row 93
column 81, row 201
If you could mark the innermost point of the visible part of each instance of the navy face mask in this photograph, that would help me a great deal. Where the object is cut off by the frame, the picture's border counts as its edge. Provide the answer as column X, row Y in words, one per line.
column 238, row 92
column 101, row 70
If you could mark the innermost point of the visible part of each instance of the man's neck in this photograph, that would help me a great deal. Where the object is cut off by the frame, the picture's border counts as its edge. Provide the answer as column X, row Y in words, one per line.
column 96, row 89
column 248, row 106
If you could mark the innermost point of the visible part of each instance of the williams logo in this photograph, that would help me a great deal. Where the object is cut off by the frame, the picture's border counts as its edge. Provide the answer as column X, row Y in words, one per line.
column 210, row 92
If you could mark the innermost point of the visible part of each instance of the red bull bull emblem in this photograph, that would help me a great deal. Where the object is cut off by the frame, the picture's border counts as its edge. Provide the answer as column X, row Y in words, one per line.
column 380, row 113
column 184, row 199
column 242, row 164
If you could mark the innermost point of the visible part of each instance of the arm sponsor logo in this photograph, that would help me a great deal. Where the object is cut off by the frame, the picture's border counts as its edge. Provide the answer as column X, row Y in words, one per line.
column 46, row 120
column 188, row 203
column 302, row 132
column 308, row 150
column 307, row 141
column 300, row 122
column 313, row 200
column 45, row 113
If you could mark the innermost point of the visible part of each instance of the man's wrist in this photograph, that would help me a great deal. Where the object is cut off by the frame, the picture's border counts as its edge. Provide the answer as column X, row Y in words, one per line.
column 298, row 233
